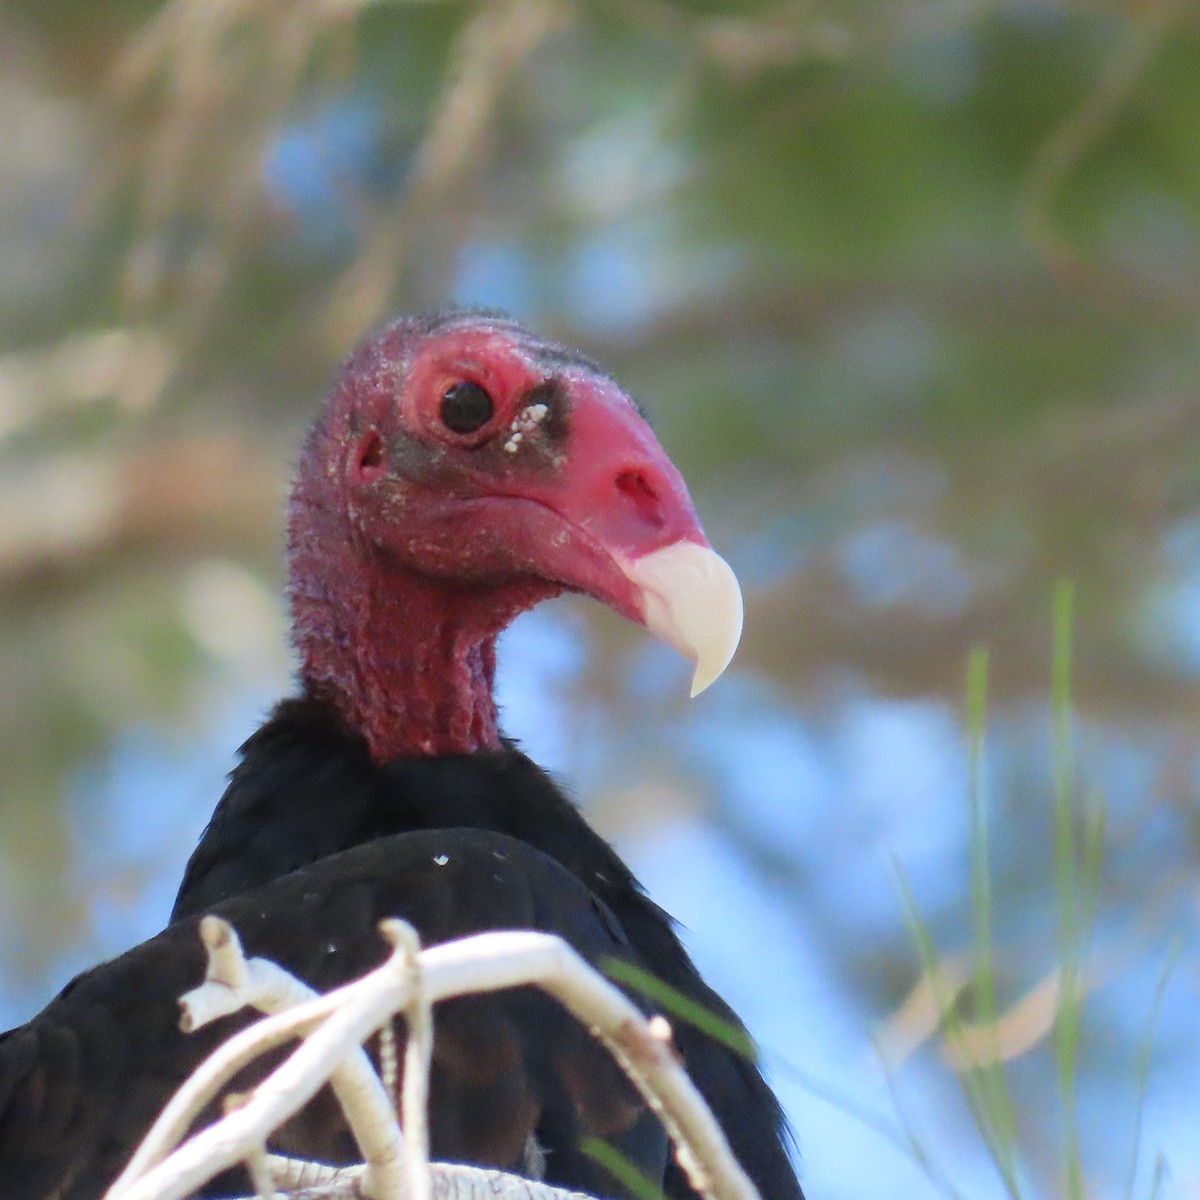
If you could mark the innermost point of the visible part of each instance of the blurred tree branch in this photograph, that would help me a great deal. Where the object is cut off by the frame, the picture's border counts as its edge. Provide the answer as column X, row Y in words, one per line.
column 76, row 518
column 1083, row 128
column 449, row 162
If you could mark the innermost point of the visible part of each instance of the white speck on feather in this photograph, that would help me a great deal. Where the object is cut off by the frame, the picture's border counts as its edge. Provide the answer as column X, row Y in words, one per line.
column 441, row 859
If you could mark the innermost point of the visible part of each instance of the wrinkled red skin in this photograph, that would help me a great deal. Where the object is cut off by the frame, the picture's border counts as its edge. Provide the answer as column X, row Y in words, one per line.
column 411, row 547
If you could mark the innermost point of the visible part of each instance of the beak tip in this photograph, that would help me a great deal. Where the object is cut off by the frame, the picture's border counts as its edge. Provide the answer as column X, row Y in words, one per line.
column 715, row 657
column 693, row 602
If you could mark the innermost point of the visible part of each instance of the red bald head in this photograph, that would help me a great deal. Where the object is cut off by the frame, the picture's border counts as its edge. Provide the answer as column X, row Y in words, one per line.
column 462, row 456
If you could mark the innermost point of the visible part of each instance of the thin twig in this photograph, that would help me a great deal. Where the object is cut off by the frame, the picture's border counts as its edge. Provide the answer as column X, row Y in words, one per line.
column 418, row 1057
column 232, row 983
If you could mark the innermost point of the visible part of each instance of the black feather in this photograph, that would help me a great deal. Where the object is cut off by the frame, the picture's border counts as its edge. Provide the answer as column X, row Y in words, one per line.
column 81, row 1083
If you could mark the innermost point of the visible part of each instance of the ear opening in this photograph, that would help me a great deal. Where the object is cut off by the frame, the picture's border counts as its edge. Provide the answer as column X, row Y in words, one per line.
column 370, row 461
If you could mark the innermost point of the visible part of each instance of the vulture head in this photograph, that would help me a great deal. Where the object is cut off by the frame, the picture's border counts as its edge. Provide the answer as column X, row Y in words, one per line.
column 462, row 471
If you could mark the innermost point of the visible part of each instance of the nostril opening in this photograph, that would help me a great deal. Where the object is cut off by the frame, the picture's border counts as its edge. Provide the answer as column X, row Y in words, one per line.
column 634, row 486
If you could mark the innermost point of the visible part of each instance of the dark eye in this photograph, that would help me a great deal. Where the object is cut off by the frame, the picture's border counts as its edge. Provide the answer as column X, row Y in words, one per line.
column 466, row 407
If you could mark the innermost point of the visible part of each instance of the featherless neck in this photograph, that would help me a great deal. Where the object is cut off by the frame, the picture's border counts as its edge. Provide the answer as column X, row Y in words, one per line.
column 408, row 660
column 399, row 656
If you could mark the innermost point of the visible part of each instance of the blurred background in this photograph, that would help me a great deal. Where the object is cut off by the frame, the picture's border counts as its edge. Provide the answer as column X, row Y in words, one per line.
column 912, row 294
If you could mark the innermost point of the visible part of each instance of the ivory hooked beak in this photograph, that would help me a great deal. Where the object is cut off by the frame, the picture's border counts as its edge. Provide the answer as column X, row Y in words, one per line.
column 692, row 601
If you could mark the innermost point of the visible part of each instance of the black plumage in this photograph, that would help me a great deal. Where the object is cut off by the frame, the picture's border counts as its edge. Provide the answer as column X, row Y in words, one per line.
column 307, row 787
column 81, row 1083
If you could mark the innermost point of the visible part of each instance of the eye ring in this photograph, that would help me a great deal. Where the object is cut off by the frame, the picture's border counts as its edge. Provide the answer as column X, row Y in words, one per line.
column 466, row 407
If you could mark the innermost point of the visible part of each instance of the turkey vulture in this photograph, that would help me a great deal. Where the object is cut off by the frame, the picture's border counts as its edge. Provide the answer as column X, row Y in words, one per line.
column 81, row 1083
column 462, row 471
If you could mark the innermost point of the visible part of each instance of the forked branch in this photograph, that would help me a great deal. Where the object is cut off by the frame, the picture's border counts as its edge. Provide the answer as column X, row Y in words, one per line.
column 333, row 1028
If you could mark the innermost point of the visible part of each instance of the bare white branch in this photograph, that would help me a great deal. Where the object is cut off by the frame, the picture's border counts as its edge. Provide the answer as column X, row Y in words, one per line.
column 418, row 1056
column 232, row 983
column 334, row 1027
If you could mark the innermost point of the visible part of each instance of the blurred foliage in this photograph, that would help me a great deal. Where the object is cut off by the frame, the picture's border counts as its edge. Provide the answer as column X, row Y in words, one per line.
column 911, row 290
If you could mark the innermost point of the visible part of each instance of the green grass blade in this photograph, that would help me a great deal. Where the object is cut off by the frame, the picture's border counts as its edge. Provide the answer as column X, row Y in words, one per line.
column 917, row 1148
column 996, row 1135
column 993, row 1082
column 678, row 1005
column 905, row 1139
column 1160, row 1174
column 1067, row 889
column 1064, row 765
column 621, row 1169
column 1145, row 1056
column 980, row 856
column 843, row 1102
